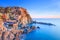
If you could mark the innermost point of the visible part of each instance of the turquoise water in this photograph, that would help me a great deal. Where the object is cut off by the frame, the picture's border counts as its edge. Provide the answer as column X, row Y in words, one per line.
column 45, row 32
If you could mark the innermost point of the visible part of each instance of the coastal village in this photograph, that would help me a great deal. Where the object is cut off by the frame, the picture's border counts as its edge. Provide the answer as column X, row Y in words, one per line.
column 14, row 21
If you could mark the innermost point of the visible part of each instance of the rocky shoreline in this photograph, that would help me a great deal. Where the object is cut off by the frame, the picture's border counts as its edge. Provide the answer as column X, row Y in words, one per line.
column 14, row 21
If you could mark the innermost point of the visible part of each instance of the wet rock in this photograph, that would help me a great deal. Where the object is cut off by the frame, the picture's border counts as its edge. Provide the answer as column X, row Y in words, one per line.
column 38, row 27
column 33, row 27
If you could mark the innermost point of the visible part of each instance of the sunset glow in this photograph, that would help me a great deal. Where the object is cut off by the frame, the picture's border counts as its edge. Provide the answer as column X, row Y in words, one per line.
column 50, row 16
column 36, row 8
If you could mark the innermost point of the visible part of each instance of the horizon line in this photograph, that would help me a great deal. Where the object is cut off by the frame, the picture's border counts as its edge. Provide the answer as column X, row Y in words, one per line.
column 50, row 16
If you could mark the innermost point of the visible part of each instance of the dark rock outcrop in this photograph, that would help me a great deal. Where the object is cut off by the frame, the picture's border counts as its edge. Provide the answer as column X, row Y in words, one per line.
column 50, row 24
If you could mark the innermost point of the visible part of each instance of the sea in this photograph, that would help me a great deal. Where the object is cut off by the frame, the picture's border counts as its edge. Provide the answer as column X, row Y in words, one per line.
column 45, row 32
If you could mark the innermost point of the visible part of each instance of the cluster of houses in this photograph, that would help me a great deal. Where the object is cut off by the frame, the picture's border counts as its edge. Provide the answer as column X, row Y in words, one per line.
column 14, row 22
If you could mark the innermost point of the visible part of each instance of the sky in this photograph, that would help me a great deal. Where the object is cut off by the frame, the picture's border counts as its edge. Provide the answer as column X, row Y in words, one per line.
column 36, row 8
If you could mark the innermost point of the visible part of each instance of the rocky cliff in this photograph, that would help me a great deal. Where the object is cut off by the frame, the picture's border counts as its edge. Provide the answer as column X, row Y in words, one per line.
column 12, row 17
column 15, row 13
